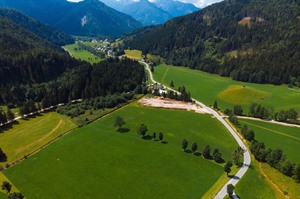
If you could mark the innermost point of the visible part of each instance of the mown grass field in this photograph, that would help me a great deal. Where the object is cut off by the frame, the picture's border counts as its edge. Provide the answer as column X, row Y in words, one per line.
column 133, row 54
column 31, row 133
column 276, row 136
column 208, row 88
column 82, row 54
column 96, row 160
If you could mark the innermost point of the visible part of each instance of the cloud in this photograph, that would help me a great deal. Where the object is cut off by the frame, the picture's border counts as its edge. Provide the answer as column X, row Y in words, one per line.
column 198, row 3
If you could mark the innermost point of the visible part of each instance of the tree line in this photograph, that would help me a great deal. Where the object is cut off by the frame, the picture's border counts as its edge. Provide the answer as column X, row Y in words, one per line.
column 83, row 82
column 263, row 112
column 274, row 157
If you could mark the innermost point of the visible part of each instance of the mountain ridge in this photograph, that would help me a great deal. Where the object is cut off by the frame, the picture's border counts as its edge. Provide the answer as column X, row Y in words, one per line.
column 67, row 16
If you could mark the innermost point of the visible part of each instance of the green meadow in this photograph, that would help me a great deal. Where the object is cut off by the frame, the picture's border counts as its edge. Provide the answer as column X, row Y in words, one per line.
column 133, row 54
column 208, row 88
column 276, row 136
column 122, row 164
column 27, row 135
column 81, row 54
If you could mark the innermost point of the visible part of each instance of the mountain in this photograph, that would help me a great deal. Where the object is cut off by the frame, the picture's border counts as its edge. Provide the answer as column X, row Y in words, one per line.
column 47, row 32
column 89, row 17
column 155, row 12
column 176, row 8
column 248, row 40
column 26, row 58
column 147, row 13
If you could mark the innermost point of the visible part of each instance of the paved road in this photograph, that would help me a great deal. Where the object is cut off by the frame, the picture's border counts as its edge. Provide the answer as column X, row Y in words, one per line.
column 247, row 159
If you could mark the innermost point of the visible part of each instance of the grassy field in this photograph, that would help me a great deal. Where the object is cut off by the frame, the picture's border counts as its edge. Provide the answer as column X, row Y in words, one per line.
column 254, row 185
column 277, row 136
column 31, row 133
column 82, row 54
column 133, row 54
column 287, row 185
column 208, row 88
column 122, row 165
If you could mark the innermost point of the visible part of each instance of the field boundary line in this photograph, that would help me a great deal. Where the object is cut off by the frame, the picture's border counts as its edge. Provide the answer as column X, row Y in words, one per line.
column 165, row 74
column 277, row 132
column 66, row 133
column 269, row 181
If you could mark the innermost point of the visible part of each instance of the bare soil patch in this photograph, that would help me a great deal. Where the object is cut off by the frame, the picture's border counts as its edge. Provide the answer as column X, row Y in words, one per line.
column 172, row 104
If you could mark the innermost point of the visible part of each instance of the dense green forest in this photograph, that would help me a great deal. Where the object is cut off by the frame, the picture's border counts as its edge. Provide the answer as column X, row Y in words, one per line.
column 27, row 58
column 248, row 40
column 35, row 70
column 47, row 32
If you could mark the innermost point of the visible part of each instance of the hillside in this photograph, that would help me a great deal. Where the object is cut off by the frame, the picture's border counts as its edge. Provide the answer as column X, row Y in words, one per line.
column 147, row 13
column 27, row 58
column 47, row 32
column 90, row 17
column 248, row 40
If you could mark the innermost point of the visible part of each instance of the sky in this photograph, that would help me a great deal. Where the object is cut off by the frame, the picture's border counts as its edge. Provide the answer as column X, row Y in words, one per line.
column 198, row 3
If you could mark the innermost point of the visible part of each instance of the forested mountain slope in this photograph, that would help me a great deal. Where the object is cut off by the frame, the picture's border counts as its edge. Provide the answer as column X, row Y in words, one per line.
column 89, row 17
column 249, row 40
column 27, row 58
column 47, row 32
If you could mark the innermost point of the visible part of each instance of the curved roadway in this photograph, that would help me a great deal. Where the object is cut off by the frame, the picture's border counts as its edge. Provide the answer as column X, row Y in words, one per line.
column 247, row 159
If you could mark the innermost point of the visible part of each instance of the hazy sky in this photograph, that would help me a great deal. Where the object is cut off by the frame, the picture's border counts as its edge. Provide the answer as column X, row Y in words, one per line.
column 198, row 3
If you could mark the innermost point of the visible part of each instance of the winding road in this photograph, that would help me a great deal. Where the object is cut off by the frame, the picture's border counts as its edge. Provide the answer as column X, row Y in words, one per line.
column 247, row 159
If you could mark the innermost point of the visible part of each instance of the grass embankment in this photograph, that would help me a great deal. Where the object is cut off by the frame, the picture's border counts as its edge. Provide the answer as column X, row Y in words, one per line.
column 31, row 133
column 81, row 54
column 133, row 54
column 254, row 185
column 276, row 136
column 208, row 88
column 122, row 165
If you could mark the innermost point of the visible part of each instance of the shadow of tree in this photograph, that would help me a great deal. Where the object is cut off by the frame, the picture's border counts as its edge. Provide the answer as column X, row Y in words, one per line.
column 147, row 137
column 123, row 130
column 197, row 154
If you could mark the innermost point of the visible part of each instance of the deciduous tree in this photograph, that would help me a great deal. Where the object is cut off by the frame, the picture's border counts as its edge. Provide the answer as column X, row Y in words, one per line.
column 194, row 147
column 184, row 144
column 6, row 186
column 119, row 122
column 227, row 167
column 142, row 130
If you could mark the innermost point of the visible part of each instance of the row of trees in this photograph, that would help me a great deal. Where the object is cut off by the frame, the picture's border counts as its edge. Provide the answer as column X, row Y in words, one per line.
column 276, row 159
column 262, row 112
column 6, row 186
column 216, row 156
column 108, row 101
column 141, row 130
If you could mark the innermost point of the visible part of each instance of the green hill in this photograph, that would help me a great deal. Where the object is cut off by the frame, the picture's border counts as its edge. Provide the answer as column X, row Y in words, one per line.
column 249, row 40
column 47, row 32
